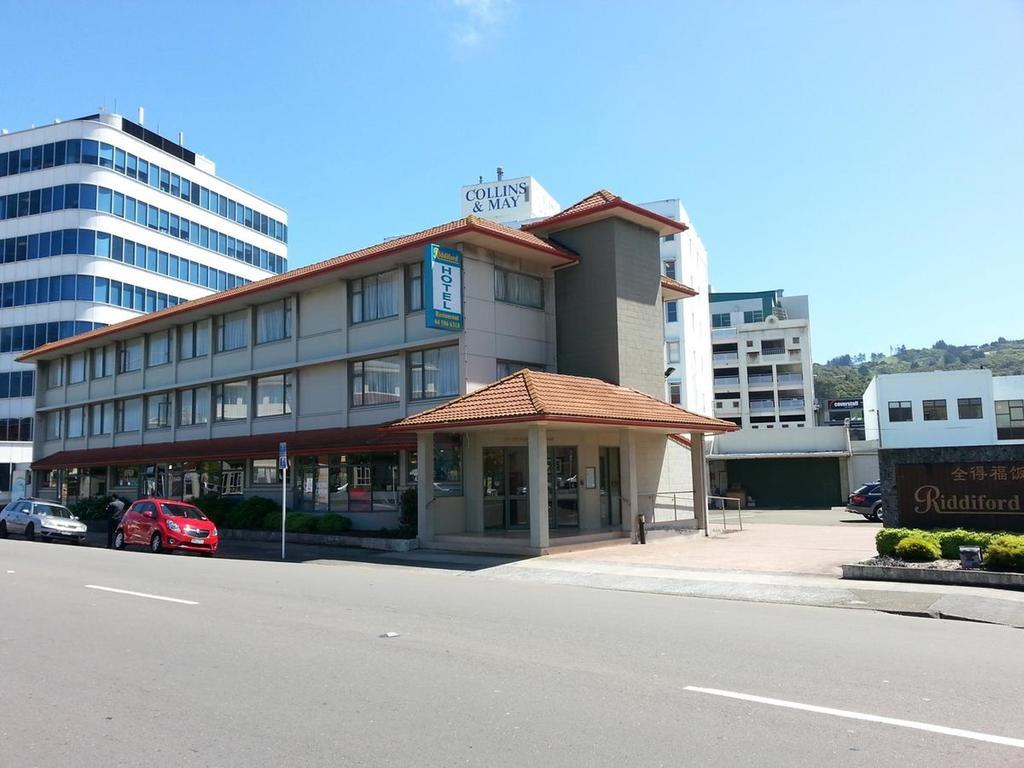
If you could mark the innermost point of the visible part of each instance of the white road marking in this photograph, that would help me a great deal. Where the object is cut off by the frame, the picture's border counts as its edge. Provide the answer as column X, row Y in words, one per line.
column 142, row 594
column 963, row 734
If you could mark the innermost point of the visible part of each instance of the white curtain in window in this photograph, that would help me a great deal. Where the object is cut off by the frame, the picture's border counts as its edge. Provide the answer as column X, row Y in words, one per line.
column 519, row 289
column 381, row 381
column 270, row 322
column 133, row 355
column 202, row 405
column 441, row 372
column 384, row 302
column 235, row 336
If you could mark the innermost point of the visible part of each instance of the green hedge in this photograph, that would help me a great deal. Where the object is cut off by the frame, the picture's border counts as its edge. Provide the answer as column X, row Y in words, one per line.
column 1005, row 553
column 887, row 539
column 332, row 524
column 951, row 541
column 1000, row 551
column 91, row 507
column 917, row 549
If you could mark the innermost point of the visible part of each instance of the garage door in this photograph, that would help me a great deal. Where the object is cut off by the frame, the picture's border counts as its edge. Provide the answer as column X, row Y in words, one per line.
column 788, row 483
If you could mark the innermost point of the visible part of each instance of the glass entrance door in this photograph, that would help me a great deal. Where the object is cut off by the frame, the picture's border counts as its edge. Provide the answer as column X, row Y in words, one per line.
column 563, row 487
column 506, row 496
column 610, row 482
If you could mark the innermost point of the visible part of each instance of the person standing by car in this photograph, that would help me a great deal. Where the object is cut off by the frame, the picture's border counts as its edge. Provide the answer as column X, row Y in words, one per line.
column 115, row 511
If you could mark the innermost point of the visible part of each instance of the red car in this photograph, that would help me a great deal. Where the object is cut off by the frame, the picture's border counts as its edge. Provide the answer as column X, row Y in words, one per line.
column 164, row 525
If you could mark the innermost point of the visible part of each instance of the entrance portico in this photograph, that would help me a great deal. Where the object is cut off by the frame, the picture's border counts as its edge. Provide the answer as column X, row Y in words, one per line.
column 547, row 456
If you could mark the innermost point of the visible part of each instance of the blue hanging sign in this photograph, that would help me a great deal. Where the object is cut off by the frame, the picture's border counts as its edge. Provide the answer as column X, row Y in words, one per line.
column 442, row 288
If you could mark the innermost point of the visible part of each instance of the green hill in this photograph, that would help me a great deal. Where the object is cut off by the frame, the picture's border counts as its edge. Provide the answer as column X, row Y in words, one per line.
column 848, row 375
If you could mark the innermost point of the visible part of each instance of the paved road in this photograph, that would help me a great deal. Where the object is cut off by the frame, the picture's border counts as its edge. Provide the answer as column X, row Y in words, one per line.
column 834, row 516
column 283, row 664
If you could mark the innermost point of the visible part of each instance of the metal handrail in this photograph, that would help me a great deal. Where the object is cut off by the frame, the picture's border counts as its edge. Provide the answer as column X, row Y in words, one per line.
column 739, row 510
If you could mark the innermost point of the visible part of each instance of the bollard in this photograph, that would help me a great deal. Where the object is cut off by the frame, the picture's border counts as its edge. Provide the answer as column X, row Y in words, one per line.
column 640, row 528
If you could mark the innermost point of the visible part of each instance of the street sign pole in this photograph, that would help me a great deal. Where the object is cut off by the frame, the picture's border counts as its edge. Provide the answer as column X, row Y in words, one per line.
column 282, row 463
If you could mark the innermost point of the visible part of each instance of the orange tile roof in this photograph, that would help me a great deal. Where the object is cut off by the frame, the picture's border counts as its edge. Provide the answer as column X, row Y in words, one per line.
column 675, row 285
column 601, row 201
column 452, row 229
column 536, row 396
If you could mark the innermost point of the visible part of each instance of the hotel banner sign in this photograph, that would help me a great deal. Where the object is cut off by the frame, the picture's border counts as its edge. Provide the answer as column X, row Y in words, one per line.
column 442, row 288
column 988, row 495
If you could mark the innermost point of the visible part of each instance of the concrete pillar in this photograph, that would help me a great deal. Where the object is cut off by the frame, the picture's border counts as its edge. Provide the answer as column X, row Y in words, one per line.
column 630, row 491
column 698, row 470
column 424, row 484
column 473, row 481
column 537, row 457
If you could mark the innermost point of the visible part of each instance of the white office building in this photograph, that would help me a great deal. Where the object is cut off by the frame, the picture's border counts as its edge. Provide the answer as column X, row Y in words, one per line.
column 761, row 355
column 102, row 220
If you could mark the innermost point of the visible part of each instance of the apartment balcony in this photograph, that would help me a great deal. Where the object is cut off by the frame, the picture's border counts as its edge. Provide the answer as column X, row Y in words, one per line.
column 725, row 358
column 721, row 335
column 791, row 379
column 727, row 382
column 762, row 406
column 773, row 354
column 760, row 381
column 727, row 408
column 791, row 404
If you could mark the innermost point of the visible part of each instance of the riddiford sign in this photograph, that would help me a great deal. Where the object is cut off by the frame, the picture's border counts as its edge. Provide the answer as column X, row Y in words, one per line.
column 442, row 288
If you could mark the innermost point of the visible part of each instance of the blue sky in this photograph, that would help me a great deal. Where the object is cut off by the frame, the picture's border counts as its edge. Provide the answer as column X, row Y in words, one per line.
column 868, row 154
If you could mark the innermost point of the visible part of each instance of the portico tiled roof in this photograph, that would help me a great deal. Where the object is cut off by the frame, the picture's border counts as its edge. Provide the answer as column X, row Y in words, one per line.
column 599, row 203
column 674, row 285
column 454, row 229
column 529, row 396
column 302, row 443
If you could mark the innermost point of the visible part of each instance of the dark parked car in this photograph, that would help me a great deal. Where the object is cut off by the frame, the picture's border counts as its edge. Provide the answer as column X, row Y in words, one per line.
column 867, row 501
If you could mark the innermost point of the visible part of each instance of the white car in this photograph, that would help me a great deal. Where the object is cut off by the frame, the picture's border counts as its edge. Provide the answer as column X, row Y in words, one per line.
column 48, row 520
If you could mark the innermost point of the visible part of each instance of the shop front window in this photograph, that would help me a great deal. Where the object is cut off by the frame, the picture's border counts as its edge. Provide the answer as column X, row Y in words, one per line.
column 447, row 464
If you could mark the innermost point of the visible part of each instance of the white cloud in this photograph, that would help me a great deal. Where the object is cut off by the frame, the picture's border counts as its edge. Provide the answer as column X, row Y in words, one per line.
column 477, row 20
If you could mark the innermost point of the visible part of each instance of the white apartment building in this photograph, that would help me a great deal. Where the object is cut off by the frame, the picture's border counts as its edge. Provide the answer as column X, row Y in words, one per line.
column 761, row 356
column 687, row 323
column 102, row 220
column 937, row 409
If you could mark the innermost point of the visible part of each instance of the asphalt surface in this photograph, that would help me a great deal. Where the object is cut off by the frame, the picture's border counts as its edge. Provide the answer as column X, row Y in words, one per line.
column 284, row 664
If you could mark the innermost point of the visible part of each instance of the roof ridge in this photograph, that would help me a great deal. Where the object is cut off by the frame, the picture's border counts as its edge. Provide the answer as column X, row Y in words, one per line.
column 460, row 398
column 535, row 399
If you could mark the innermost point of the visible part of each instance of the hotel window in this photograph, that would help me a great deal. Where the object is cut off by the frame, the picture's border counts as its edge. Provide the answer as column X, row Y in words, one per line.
column 101, row 418
column 672, row 351
column 675, row 394
column 128, row 415
column 375, row 382
column 447, row 464
column 102, row 362
column 76, row 368
column 434, row 373
column 158, row 348
column 508, row 367
column 55, row 374
column 193, row 406
column 274, row 395
column 1010, row 419
column 274, row 321
column 232, row 330
column 373, row 297
column 755, row 316
column 721, row 320
column 414, row 287
column 54, row 425
column 265, row 472
column 670, row 268
column 934, row 410
column 194, row 340
column 76, row 422
column 671, row 312
column 158, row 411
column 969, row 407
column 900, row 410
column 231, row 400
column 517, row 288
column 130, row 356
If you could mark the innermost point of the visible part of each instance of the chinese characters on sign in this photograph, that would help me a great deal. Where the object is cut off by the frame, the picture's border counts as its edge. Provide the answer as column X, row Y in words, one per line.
column 442, row 288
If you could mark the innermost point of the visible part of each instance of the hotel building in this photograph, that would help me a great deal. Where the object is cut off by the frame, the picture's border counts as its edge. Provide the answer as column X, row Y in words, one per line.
column 102, row 220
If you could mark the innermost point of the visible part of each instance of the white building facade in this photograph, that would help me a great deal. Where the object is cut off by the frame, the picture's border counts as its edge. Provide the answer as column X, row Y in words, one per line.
column 761, row 356
column 102, row 220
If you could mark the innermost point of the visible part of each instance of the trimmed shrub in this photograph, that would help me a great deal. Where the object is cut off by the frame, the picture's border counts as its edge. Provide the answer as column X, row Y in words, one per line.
column 1005, row 553
column 332, row 524
column 409, row 519
column 917, row 549
column 91, row 508
column 887, row 538
column 300, row 522
column 951, row 541
column 272, row 521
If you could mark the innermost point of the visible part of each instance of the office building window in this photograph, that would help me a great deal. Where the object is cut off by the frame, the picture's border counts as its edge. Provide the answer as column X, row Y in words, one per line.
column 374, row 297
column 672, row 351
column 934, row 410
column 414, row 287
column 159, row 348
column 101, row 418
column 900, row 410
column 721, row 320
column 969, row 407
column 671, row 312
column 434, row 373
column 193, row 406
column 55, row 374
column 131, row 356
column 1010, row 419
column 103, row 362
column 232, row 330
column 669, row 266
column 517, row 288
column 755, row 316
column 158, row 411
column 375, row 382
column 76, row 368
column 194, row 340
column 274, row 395
column 231, row 400
column 54, row 425
column 274, row 321
column 508, row 367
column 76, row 422
column 128, row 415
column 675, row 393
column 265, row 472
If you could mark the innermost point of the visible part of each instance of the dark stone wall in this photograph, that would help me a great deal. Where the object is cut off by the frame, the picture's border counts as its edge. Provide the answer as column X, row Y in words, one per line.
column 900, row 512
